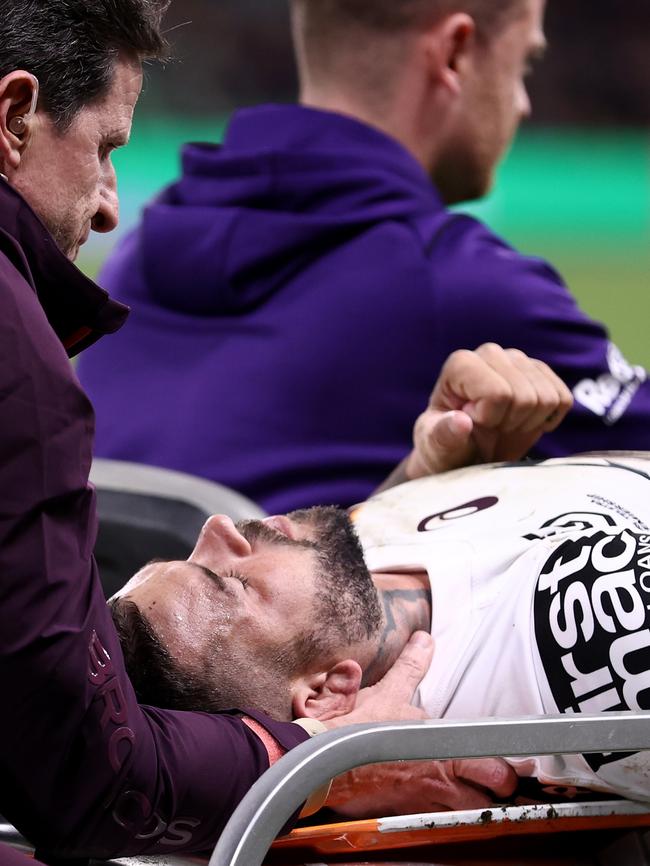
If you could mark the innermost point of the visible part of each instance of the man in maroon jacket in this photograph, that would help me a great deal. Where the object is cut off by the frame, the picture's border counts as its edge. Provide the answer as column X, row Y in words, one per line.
column 83, row 768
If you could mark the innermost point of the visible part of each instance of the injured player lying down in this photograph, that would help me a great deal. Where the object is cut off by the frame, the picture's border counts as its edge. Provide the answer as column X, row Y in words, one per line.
column 534, row 580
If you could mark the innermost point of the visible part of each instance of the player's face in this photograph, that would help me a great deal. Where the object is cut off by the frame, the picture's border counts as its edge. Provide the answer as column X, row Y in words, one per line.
column 493, row 103
column 250, row 586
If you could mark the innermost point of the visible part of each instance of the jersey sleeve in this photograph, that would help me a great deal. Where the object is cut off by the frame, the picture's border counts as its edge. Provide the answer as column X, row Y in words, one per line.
column 84, row 769
column 485, row 291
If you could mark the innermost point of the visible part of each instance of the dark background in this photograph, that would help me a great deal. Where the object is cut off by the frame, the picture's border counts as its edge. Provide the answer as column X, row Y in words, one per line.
column 236, row 52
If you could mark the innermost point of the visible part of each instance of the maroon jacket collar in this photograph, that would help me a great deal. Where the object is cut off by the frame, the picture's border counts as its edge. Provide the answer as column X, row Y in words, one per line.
column 77, row 309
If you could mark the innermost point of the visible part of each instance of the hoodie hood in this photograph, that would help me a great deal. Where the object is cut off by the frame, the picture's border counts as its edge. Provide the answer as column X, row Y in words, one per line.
column 287, row 184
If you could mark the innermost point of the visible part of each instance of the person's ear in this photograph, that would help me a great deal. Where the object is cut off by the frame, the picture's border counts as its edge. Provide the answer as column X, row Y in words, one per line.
column 450, row 45
column 327, row 694
column 18, row 97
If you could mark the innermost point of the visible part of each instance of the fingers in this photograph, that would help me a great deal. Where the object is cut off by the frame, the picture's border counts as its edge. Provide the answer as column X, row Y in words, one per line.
column 540, row 399
column 442, row 441
column 400, row 682
column 563, row 395
column 510, row 398
column 390, row 699
column 536, row 393
column 493, row 774
column 470, row 381
column 522, row 402
column 501, row 387
column 463, row 797
column 423, row 786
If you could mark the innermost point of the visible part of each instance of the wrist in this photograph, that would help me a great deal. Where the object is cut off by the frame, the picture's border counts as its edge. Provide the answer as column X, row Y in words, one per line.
column 318, row 797
column 415, row 467
column 312, row 726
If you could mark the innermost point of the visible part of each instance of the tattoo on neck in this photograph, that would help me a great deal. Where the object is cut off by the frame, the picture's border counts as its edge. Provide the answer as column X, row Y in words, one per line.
column 405, row 611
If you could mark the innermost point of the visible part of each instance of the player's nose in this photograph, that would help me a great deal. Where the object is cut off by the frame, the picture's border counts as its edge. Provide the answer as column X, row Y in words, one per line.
column 219, row 536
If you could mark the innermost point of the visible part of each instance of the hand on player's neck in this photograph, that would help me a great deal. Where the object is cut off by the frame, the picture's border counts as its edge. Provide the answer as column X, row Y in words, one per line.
column 406, row 604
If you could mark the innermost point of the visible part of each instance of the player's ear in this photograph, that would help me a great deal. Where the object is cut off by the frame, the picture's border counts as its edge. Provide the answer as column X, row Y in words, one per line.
column 449, row 44
column 327, row 694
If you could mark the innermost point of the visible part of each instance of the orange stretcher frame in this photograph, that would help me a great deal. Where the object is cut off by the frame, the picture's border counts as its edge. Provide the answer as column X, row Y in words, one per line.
column 444, row 828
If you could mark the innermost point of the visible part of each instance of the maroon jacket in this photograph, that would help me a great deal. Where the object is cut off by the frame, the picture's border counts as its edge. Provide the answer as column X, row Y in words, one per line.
column 12, row 857
column 83, row 768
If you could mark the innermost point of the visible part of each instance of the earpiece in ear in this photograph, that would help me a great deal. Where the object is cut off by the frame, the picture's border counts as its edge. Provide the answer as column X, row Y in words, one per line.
column 17, row 125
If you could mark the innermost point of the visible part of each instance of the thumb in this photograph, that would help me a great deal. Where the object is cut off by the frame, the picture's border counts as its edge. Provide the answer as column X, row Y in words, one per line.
column 442, row 441
column 451, row 432
column 390, row 698
column 403, row 678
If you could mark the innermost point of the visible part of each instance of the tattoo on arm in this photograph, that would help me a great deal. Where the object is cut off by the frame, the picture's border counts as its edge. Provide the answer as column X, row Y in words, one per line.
column 405, row 611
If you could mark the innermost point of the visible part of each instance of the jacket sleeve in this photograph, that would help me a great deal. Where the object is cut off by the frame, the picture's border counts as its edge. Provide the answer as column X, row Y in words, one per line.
column 13, row 857
column 83, row 768
column 486, row 291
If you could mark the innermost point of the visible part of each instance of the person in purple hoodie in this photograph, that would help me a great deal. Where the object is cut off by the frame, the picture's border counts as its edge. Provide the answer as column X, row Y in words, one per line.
column 85, row 770
column 296, row 292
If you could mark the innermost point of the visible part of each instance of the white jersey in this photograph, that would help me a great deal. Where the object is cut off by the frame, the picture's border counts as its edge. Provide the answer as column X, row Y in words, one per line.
column 540, row 580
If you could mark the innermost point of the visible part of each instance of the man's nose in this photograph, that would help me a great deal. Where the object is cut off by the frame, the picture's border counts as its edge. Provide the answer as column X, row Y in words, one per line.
column 107, row 215
column 220, row 536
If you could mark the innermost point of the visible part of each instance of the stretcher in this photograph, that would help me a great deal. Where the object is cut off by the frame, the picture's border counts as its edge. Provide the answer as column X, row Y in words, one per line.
column 251, row 830
column 610, row 832
column 139, row 507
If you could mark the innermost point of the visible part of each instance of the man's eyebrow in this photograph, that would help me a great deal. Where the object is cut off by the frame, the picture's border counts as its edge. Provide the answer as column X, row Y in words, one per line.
column 206, row 571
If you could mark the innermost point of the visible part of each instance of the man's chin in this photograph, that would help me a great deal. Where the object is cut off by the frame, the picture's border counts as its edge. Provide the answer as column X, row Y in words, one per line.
column 70, row 249
column 73, row 249
column 466, row 190
column 463, row 179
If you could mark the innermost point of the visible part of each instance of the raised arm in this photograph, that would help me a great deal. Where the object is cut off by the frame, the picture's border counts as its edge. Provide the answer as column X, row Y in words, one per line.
column 493, row 293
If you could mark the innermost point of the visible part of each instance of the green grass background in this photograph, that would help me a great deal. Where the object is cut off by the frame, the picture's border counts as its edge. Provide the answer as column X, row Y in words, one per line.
column 579, row 198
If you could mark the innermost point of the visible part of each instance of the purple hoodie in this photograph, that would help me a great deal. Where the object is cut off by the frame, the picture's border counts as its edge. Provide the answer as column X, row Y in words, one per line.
column 294, row 296
column 83, row 768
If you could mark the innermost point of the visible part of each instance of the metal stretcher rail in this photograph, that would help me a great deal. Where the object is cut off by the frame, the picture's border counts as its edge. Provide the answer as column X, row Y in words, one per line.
column 285, row 786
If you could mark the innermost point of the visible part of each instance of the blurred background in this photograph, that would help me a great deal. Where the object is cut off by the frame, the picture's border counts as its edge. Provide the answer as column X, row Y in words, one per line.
column 574, row 189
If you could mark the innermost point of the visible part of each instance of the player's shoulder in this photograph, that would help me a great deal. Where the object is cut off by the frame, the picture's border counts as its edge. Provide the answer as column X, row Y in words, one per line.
column 466, row 252
column 485, row 289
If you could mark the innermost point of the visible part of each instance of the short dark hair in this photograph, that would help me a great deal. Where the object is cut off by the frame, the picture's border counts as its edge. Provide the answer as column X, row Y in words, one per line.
column 154, row 675
column 361, row 45
column 71, row 46
column 389, row 16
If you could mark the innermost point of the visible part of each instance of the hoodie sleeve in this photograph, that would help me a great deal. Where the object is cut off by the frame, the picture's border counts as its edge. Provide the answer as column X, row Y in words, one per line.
column 486, row 291
column 85, row 770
